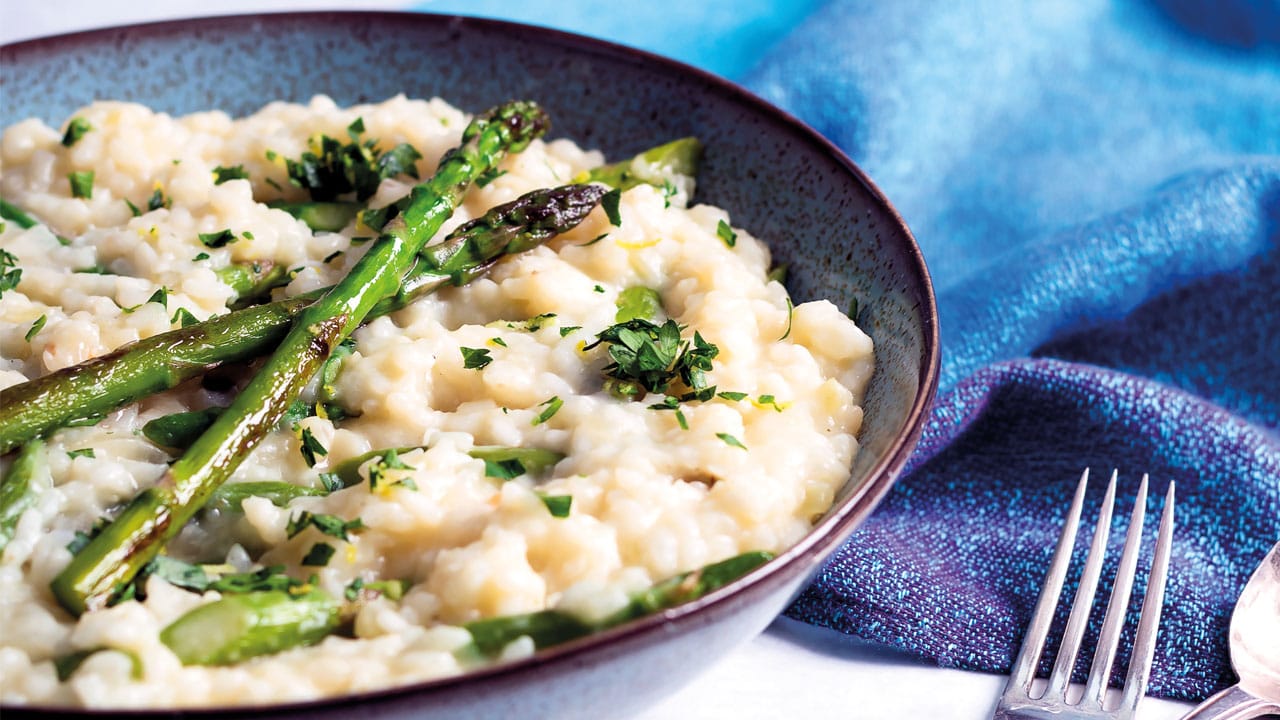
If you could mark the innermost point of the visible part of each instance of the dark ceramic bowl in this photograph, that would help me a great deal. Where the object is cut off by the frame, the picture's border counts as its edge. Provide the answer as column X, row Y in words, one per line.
column 819, row 213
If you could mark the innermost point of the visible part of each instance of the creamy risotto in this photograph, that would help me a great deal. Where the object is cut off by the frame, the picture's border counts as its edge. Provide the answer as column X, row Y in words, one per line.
column 138, row 216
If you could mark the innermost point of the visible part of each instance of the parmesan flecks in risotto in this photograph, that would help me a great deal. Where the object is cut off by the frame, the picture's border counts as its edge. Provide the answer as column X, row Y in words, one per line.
column 648, row 498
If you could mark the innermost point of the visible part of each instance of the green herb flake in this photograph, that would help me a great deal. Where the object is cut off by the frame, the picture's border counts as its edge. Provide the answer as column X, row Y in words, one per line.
column 330, row 525
column 791, row 310
column 596, row 239
column 98, row 269
column 184, row 318
column 332, row 366
column 201, row 256
column 498, row 341
column 598, row 288
column 75, row 130
column 610, row 203
column 319, row 555
column 558, row 505
column 390, row 460
column 731, row 440
column 669, row 191
column 81, row 184
column 726, row 233
column 771, row 400
column 10, row 273
column 246, row 235
column 157, row 200
column 36, row 327
column 475, row 358
column 550, row 408
column 311, row 448
column 160, row 296
column 733, row 396
column 564, row 331
column 853, row 309
column 332, row 256
column 330, row 167
column 133, row 209
column 218, row 239
column 638, row 302
column 83, row 452
column 503, row 469
column 223, row 174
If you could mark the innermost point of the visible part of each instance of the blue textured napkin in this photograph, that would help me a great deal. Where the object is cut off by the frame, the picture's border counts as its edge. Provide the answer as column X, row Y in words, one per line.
column 1096, row 187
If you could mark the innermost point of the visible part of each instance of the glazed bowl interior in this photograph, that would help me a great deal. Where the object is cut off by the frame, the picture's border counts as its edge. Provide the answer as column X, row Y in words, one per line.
column 819, row 214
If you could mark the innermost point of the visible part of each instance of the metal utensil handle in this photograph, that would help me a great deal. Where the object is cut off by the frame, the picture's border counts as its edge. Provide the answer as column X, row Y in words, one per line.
column 1232, row 704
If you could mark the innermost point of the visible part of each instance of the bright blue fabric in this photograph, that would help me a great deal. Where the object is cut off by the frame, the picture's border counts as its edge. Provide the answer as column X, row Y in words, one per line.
column 1096, row 187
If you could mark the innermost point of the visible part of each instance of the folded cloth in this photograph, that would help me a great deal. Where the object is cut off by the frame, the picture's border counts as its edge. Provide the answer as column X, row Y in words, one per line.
column 1096, row 182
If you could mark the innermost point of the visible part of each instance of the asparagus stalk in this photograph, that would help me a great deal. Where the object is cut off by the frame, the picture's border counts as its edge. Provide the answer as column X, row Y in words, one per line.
column 551, row 627
column 251, row 281
column 321, row 216
column 99, row 386
column 157, row 514
column 28, row 476
column 238, row 627
column 674, row 162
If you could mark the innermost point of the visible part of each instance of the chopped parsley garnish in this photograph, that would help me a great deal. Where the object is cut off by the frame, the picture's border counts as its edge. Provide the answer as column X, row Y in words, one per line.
column 218, row 239
column 558, row 505
column 390, row 460
column 262, row 579
column 596, row 239
column 319, row 555
column 157, row 200
column 726, row 233
column 669, row 191
column 160, row 296
column 672, row 403
column 649, row 357
column 223, row 174
column 550, row 408
column 771, row 400
column 503, row 469
column 734, row 396
column 98, row 269
column 564, row 331
column 330, row 167
column 295, row 413
column 853, row 309
column 82, row 539
column 36, row 327
column 731, row 440
column 75, row 130
column 791, row 311
column 83, row 452
column 475, row 358
column 311, row 448
column 184, row 318
column 610, row 203
column 331, row 256
column 201, row 256
column 498, row 341
column 81, row 184
column 330, row 525
column 598, row 288
column 10, row 273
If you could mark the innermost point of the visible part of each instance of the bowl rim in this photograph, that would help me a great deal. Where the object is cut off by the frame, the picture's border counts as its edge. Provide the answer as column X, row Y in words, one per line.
column 823, row 538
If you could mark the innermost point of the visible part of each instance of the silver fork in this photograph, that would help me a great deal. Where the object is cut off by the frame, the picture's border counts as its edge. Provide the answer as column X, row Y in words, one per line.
column 1016, row 702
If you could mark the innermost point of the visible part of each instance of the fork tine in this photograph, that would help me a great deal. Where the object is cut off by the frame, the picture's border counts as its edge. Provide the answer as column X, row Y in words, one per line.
column 1083, row 603
column 1117, row 607
column 1024, row 667
column 1144, row 642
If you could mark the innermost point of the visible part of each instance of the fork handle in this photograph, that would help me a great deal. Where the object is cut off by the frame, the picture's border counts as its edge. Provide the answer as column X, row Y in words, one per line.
column 1232, row 704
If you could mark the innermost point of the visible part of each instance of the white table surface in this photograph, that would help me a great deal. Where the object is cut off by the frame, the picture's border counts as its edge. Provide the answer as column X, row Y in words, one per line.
column 791, row 671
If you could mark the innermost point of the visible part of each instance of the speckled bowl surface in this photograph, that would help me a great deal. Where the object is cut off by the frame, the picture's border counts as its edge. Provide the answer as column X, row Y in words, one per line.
column 819, row 213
